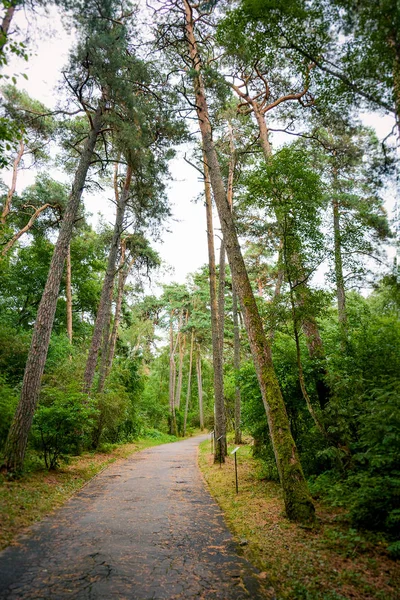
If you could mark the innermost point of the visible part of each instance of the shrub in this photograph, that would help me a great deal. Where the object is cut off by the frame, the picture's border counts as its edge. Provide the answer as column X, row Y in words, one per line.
column 64, row 427
column 8, row 403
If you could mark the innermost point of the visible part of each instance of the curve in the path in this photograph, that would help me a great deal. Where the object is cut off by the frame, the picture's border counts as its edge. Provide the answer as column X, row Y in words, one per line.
column 146, row 528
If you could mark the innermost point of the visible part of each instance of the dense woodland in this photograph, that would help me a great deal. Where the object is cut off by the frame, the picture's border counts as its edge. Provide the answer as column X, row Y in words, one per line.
column 291, row 333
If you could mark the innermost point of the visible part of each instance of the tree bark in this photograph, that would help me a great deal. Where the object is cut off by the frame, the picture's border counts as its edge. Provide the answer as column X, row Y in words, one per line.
column 181, row 345
column 109, row 352
column 236, row 366
column 18, row 435
column 68, row 285
column 172, row 372
column 200, row 392
column 297, row 499
column 340, row 291
column 221, row 299
column 105, row 342
column 236, row 331
column 394, row 42
column 108, row 285
column 5, row 25
column 13, row 186
column 189, row 382
column 220, row 417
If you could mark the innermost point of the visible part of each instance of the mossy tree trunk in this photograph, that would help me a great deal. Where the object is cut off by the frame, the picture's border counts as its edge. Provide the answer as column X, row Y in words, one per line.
column 220, row 417
column 297, row 499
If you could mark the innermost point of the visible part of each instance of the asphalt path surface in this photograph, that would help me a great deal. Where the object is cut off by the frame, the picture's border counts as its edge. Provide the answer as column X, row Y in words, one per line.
column 145, row 528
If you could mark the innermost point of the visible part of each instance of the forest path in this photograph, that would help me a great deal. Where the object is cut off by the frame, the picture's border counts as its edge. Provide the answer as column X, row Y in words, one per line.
column 145, row 528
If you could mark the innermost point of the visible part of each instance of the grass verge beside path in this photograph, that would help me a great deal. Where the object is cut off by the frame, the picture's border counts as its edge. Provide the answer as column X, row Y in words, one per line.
column 26, row 500
column 328, row 562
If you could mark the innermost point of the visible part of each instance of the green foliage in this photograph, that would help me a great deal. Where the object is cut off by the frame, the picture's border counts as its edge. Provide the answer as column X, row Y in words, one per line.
column 63, row 427
column 118, row 417
column 8, row 404
column 14, row 346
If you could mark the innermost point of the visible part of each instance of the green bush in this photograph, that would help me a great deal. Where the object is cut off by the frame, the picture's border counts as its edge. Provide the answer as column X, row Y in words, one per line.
column 64, row 427
column 8, row 404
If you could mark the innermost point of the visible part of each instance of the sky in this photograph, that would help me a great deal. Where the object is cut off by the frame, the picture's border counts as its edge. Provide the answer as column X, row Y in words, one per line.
column 184, row 246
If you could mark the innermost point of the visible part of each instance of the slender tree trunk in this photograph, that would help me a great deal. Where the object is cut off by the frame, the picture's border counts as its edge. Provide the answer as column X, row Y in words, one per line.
column 236, row 366
column 394, row 42
column 236, row 331
column 181, row 346
column 5, row 25
column 111, row 345
column 220, row 418
column 108, row 285
column 18, row 435
column 105, row 342
column 13, row 186
column 221, row 299
column 189, row 382
column 68, row 285
column 200, row 391
column 297, row 499
column 172, row 372
column 340, row 291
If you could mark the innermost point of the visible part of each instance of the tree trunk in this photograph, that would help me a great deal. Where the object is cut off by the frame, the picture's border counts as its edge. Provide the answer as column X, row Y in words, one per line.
column 110, row 351
column 18, row 435
column 220, row 418
column 395, row 44
column 5, row 25
column 68, row 285
column 11, row 191
column 236, row 366
column 181, row 345
column 221, row 299
column 189, row 382
column 105, row 342
column 297, row 499
column 340, row 292
column 172, row 370
column 108, row 285
column 200, row 392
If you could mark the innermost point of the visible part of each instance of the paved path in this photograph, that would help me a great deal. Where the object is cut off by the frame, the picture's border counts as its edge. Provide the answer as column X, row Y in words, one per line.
column 146, row 528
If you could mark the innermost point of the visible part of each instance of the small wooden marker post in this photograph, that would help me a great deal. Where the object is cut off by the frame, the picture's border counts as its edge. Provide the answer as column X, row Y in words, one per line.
column 236, row 473
column 212, row 433
column 220, row 450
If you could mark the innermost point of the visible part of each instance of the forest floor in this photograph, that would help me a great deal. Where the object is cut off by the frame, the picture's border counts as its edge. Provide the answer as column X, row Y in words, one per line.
column 27, row 500
column 330, row 561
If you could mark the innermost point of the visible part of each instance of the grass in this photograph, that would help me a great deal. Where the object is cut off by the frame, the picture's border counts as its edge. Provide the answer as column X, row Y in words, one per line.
column 330, row 561
column 26, row 500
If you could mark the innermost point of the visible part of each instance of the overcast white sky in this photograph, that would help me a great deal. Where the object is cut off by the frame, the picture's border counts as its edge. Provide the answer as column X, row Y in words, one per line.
column 185, row 247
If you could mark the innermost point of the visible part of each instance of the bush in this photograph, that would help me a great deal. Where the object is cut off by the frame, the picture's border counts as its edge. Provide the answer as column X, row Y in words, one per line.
column 8, row 404
column 64, row 427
